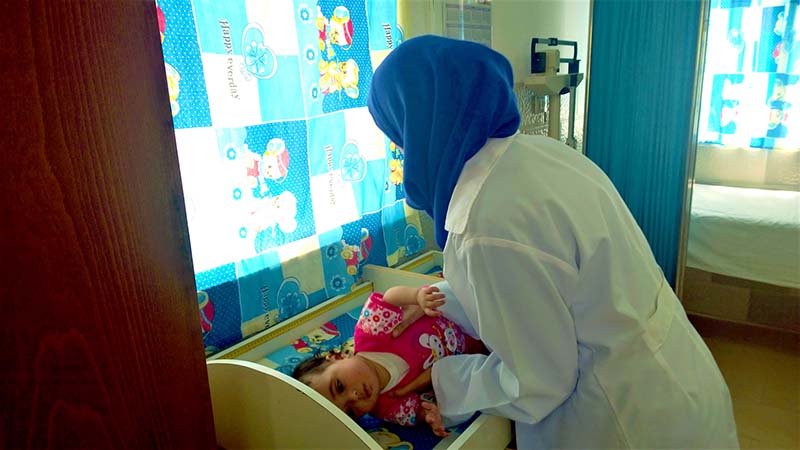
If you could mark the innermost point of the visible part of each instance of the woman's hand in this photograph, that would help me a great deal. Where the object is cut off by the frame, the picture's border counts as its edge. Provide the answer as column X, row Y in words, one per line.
column 430, row 299
column 430, row 412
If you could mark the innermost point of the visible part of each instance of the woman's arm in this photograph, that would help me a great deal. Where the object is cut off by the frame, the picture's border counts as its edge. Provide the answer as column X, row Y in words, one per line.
column 518, row 296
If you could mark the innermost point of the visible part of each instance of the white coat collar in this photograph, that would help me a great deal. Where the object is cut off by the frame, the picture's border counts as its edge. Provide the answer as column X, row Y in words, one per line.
column 472, row 177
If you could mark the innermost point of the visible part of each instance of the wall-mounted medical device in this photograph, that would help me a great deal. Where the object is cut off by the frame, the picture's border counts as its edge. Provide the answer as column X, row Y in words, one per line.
column 546, row 80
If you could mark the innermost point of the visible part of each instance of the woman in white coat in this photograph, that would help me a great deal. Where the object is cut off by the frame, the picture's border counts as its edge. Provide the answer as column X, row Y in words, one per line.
column 590, row 348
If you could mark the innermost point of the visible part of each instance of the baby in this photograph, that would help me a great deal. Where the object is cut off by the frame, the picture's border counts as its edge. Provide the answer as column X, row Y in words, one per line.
column 382, row 374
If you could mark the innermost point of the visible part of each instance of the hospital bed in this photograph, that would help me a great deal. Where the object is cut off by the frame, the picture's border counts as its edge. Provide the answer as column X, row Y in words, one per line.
column 256, row 404
column 747, row 233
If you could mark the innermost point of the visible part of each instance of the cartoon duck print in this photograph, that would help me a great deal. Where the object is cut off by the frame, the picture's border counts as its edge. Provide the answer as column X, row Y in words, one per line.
column 324, row 333
column 366, row 244
column 313, row 340
column 338, row 30
column 173, row 77
column 396, row 171
column 206, row 311
column 395, row 165
column 350, row 254
column 343, row 350
column 389, row 441
column 348, row 348
column 341, row 27
column 433, row 343
column 162, row 22
column 301, row 346
column 354, row 255
column 173, row 87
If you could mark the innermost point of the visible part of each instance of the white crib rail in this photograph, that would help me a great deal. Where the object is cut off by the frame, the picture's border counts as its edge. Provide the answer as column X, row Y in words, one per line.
column 256, row 407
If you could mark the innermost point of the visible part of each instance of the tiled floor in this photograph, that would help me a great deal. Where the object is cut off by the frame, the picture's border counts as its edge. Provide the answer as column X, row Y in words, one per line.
column 762, row 368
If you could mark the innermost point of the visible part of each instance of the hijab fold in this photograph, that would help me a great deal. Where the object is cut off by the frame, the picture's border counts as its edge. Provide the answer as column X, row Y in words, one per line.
column 440, row 100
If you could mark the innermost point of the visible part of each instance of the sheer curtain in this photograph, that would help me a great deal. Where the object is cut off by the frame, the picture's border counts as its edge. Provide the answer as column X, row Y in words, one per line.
column 750, row 88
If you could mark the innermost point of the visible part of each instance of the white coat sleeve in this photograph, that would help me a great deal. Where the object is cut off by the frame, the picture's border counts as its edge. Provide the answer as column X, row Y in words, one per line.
column 453, row 310
column 521, row 314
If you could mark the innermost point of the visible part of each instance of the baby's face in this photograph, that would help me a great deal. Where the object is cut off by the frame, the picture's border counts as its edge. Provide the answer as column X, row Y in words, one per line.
column 350, row 384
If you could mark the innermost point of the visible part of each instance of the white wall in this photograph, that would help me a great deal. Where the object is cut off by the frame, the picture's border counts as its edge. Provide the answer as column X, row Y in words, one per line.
column 420, row 17
column 514, row 23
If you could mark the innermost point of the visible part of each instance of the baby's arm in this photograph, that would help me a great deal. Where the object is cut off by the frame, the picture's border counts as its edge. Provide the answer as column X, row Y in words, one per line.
column 430, row 412
column 410, row 410
column 427, row 297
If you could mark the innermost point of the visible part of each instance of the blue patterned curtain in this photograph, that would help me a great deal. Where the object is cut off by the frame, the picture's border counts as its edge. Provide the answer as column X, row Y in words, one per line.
column 289, row 186
column 751, row 76
column 640, row 106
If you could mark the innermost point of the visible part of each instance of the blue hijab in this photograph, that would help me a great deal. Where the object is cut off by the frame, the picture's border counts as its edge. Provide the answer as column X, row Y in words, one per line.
column 440, row 100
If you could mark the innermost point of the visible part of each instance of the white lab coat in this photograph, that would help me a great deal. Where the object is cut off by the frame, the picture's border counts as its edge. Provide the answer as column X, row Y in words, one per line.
column 590, row 346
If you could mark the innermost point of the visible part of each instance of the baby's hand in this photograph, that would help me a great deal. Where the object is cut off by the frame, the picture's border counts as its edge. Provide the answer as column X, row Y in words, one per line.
column 429, row 298
column 432, row 416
